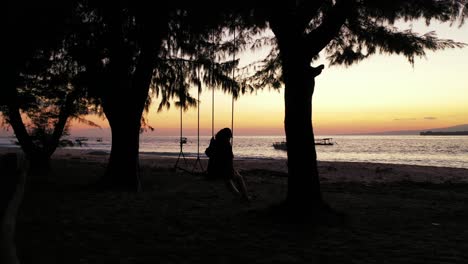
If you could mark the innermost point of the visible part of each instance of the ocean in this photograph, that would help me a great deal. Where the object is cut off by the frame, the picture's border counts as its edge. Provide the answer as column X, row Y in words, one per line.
column 442, row 151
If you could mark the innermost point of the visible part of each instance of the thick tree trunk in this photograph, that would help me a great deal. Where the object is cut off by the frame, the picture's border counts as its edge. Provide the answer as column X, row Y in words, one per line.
column 297, row 46
column 123, row 168
column 124, row 101
column 303, row 182
column 304, row 194
column 124, row 110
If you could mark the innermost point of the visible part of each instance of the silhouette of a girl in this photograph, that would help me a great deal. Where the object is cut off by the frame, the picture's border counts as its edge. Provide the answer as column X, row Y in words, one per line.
column 220, row 163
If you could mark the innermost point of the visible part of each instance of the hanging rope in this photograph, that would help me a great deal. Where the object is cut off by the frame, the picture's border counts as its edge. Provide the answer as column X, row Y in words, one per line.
column 198, row 115
column 182, row 139
column 233, row 86
column 199, row 87
column 198, row 161
column 212, row 112
column 212, row 91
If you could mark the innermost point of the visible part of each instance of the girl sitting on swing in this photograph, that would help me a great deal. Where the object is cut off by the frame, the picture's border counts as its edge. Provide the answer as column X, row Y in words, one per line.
column 220, row 163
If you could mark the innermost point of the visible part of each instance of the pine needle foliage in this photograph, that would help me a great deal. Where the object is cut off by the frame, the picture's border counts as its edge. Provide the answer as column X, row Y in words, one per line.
column 346, row 32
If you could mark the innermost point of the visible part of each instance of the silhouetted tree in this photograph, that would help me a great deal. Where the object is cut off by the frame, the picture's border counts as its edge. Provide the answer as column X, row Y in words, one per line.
column 48, row 100
column 38, row 77
column 118, row 43
column 128, row 48
column 347, row 31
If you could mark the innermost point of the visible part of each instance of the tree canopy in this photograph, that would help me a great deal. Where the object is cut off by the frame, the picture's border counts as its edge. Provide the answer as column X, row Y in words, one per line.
column 348, row 31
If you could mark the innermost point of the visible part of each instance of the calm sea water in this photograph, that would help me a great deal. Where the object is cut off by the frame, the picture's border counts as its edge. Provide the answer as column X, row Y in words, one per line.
column 444, row 151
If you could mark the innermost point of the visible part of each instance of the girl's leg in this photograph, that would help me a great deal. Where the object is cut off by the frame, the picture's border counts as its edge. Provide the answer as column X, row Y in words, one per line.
column 241, row 185
column 232, row 187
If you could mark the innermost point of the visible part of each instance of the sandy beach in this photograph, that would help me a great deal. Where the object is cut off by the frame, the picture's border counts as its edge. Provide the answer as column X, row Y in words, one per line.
column 391, row 214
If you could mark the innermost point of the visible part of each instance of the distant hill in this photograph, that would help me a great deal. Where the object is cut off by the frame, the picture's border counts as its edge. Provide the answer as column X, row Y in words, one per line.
column 463, row 127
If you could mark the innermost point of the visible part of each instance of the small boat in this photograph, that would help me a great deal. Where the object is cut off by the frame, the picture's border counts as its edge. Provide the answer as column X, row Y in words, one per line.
column 281, row 145
column 99, row 139
column 324, row 141
column 81, row 141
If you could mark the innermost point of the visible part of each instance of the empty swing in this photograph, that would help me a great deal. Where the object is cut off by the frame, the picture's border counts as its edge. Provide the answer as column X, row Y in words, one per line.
column 182, row 139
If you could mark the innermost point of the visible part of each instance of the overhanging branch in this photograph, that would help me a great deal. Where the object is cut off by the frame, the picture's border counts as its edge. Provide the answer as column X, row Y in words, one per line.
column 319, row 38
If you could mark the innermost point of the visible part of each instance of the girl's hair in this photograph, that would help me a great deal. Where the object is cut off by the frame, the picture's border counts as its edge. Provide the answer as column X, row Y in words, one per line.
column 224, row 134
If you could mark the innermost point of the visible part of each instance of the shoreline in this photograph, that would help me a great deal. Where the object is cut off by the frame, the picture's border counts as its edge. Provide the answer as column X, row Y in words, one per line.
column 422, row 151
column 329, row 171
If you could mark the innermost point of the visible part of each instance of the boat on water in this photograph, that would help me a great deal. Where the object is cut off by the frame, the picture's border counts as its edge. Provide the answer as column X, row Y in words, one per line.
column 324, row 141
column 281, row 145
column 81, row 141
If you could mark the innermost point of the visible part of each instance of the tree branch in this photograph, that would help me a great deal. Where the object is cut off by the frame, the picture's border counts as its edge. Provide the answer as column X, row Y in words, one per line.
column 65, row 112
column 306, row 10
column 319, row 38
column 16, row 122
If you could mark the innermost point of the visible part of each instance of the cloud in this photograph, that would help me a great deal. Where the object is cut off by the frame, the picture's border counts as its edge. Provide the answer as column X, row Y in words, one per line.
column 414, row 118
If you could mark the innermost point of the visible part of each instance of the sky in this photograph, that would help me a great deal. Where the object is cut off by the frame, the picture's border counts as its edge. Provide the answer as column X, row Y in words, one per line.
column 381, row 93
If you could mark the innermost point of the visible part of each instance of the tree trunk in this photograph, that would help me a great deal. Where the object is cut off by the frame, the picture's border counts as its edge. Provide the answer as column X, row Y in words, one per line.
column 304, row 194
column 303, row 182
column 124, row 108
column 39, row 159
column 16, row 122
column 124, row 101
column 123, row 168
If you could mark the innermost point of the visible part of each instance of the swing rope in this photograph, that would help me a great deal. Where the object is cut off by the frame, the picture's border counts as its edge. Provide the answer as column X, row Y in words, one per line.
column 198, row 117
column 212, row 112
column 233, row 85
column 198, row 161
column 212, row 89
column 182, row 140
